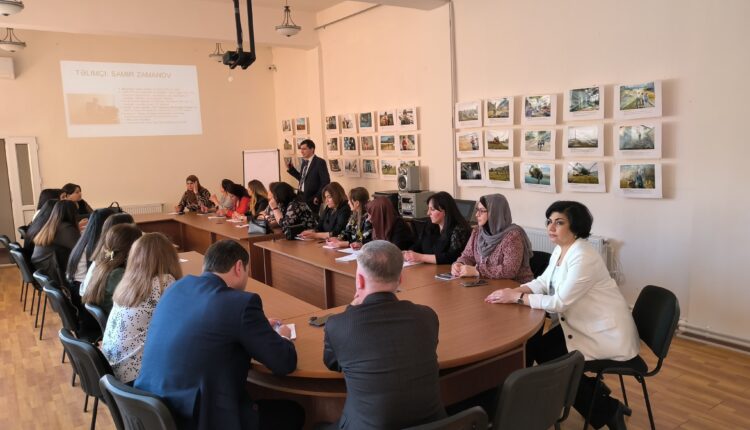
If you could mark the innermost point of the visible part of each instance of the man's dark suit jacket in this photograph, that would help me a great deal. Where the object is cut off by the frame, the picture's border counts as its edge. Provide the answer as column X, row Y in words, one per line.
column 317, row 177
column 198, row 350
column 387, row 350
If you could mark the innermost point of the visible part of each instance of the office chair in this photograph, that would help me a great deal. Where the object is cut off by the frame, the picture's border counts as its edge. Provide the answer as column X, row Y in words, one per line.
column 136, row 409
column 470, row 419
column 539, row 262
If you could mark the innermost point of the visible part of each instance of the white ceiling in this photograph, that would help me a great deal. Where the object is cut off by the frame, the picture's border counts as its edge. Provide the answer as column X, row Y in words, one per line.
column 306, row 5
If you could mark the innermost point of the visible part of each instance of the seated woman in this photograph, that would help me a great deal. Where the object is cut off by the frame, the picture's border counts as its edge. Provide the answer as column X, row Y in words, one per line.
column 287, row 209
column 497, row 248
column 443, row 240
column 55, row 240
column 73, row 193
column 153, row 266
column 195, row 198
column 110, row 265
column 358, row 229
column 387, row 224
column 113, row 220
column 45, row 195
column 258, row 198
column 588, row 312
column 335, row 215
column 36, row 224
column 240, row 202
column 223, row 201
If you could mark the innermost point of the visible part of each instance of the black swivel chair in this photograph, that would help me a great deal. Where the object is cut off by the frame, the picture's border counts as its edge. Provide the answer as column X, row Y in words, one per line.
column 27, row 278
column 539, row 262
column 19, row 248
column 22, row 231
column 99, row 315
column 136, row 409
column 91, row 366
column 541, row 396
column 470, row 419
column 656, row 313
column 44, row 281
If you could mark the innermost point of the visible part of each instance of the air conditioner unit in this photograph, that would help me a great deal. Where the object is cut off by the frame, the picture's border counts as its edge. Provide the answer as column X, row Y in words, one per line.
column 6, row 68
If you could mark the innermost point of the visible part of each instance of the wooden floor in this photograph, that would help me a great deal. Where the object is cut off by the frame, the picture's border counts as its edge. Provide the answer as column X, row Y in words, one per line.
column 700, row 386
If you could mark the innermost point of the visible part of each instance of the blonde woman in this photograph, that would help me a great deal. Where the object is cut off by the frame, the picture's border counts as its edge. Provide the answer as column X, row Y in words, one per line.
column 153, row 266
column 258, row 198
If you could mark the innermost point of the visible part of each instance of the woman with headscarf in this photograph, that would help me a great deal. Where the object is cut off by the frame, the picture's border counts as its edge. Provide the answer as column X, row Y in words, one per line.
column 497, row 248
column 387, row 224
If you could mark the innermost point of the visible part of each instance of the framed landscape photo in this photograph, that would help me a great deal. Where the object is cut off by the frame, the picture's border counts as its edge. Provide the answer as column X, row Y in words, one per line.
column 640, row 139
column 286, row 127
column 332, row 124
column 500, row 173
column 334, row 166
column 537, row 176
column 301, row 126
column 367, row 145
column 585, row 103
column 498, row 142
column 469, row 114
column 348, row 123
column 370, row 168
column 387, row 120
column 469, row 144
column 538, row 143
column 498, row 111
column 641, row 100
column 349, row 144
column 639, row 180
column 367, row 122
column 298, row 140
column 584, row 176
column 408, row 145
column 387, row 144
column 403, row 164
column 388, row 169
column 539, row 109
column 332, row 145
column 407, row 118
column 584, row 140
column 351, row 167
column 470, row 173
column 287, row 146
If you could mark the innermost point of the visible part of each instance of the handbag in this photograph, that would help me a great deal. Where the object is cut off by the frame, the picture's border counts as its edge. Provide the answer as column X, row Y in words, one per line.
column 291, row 231
column 115, row 207
column 257, row 226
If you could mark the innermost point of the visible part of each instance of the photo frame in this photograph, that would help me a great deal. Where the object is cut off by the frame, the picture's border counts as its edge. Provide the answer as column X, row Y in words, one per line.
column 298, row 140
column 585, row 176
column 301, row 126
column 538, row 143
column 370, row 168
column 538, row 176
column 469, row 144
column 286, row 127
column 641, row 100
column 402, row 163
column 470, row 173
column 498, row 142
column 367, row 122
column 539, row 109
column 351, row 167
column 500, row 173
column 288, row 145
column 639, row 180
column 388, row 169
column 331, row 124
column 348, row 123
column 333, row 145
column 350, row 145
column 468, row 114
column 407, row 118
column 641, row 139
column 387, row 120
column 408, row 145
column 584, row 140
column 387, row 144
column 367, row 145
column 585, row 103
column 498, row 111
column 334, row 166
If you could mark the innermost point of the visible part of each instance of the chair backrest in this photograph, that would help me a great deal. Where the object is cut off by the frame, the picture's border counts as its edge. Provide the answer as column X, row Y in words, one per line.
column 22, row 231
column 5, row 241
column 538, row 397
column 15, row 245
column 138, row 409
column 656, row 313
column 61, row 305
column 89, row 362
column 539, row 262
column 23, row 266
column 470, row 419
column 99, row 315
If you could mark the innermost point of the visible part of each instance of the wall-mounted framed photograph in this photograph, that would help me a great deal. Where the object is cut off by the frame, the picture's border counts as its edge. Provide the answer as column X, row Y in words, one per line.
column 348, row 122
column 349, row 144
column 301, row 126
column 642, row 100
column 407, row 118
column 639, row 180
column 538, row 176
column 388, row 169
column 498, row 142
column 334, row 166
column 584, row 176
column 498, row 111
column 367, row 145
column 387, row 144
column 469, row 144
column 408, row 145
column 351, row 167
column 468, row 114
column 286, row 127
column 640, row 139
column 298, row 140
column 584, row 140
column 403, row 164
column 332, row 145
column 538, row 143
column 367, row 122
column 539, row 109
column 500, row 173
column 370, row 168
column 584, row 103
column 288, row 146
column 471, row 173
column 332, row 124
column 387, row 120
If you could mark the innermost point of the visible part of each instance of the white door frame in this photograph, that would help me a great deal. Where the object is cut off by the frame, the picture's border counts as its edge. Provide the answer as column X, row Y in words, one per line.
column 21, row 211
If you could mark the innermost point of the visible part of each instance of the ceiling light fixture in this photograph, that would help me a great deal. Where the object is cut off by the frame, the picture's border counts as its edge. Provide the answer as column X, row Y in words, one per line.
column 10, row 42
column 9, row 7
column 288, row 27
column 218, row 53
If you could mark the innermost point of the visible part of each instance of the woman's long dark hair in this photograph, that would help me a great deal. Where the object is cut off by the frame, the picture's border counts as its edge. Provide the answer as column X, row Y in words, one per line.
column 453, row 218
column 87, row 243
column 283, row 193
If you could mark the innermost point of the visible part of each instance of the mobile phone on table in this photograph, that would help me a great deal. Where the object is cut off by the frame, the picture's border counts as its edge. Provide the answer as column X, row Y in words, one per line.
column 319, row 321
column 474, row 283
column 444, row 276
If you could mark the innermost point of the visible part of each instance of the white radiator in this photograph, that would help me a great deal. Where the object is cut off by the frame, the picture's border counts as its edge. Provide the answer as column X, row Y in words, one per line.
column 145, row 208
column 540, row 242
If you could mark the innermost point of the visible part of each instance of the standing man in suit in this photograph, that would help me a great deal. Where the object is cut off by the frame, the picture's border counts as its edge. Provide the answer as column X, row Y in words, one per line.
column 313, row 175
column 204, row 332
column 386, row 348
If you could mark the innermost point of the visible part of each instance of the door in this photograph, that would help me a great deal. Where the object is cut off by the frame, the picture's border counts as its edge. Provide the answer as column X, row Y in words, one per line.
column 24, row 180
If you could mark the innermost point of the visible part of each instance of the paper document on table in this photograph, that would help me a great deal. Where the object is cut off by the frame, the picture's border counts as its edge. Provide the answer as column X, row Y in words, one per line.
column 242, row 225
column 344, row 259
column 292, row 328
column 349, row 251
column 234, row 220
column 330, row 247
column 215, row 217
column 306, row 239
column 172, row 213
column 411, row 263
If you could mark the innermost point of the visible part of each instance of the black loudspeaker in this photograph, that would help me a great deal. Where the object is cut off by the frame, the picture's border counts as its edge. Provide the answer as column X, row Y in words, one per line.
column 408, row 178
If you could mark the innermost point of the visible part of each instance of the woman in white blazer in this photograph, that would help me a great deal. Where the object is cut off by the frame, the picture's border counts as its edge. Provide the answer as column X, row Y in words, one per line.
column 588, row 312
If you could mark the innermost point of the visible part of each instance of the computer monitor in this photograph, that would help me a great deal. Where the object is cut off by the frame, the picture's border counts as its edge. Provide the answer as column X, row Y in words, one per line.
column 466, row 207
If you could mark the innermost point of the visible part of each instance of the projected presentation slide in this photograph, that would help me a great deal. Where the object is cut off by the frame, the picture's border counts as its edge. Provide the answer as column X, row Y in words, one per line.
column 124, row 99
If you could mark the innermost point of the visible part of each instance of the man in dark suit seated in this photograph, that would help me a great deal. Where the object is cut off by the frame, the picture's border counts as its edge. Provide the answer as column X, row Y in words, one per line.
column 204, row 332
column 313, row 175
column 386, row 348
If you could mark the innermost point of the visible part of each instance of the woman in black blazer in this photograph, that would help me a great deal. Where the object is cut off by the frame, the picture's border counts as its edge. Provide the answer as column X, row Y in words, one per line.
column 55, row 240
column 335, row 215
column 443, row 240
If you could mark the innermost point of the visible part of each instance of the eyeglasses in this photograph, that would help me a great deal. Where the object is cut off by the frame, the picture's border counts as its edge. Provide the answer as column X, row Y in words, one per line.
column 480, row 211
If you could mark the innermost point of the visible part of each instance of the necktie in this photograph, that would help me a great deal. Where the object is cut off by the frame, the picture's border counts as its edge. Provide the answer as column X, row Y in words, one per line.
column 305, row 164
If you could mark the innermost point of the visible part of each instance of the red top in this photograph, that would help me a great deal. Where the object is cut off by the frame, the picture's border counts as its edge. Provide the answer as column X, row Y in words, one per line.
column 240, row 207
